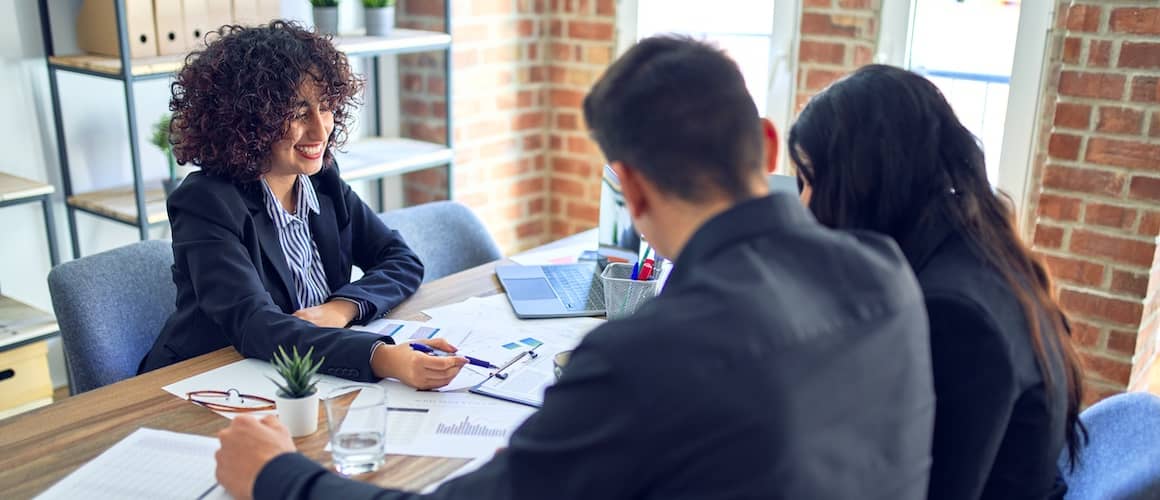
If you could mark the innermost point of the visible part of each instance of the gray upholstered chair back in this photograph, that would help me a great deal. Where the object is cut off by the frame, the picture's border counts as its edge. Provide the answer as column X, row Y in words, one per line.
column 111, row 307
column 1122, row 455
column 447, row 236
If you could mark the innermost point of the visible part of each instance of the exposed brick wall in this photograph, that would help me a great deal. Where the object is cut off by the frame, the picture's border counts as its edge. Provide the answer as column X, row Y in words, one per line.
column 1098, row 180
column 520, row 68
column 837, row 37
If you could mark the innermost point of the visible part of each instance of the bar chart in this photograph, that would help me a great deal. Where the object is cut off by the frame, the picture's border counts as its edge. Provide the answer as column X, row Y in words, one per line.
column 466, row 428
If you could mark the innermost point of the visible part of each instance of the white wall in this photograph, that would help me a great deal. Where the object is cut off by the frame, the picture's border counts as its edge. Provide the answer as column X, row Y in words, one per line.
column 93, row 112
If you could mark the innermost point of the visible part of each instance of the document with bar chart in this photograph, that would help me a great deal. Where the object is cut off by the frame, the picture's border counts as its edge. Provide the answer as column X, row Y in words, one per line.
column 440, row 424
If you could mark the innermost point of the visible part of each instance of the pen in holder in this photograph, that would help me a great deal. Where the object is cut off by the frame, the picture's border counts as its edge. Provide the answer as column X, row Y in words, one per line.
column 624, row 295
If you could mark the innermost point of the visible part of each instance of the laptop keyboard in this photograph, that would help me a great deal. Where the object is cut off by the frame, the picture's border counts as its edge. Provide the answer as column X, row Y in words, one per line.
column 578, row 287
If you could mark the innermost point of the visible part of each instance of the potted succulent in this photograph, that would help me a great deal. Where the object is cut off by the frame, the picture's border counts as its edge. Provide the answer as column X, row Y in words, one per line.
column 380, row 17
column 325, row 16
column 161, row 140
column 297, row 396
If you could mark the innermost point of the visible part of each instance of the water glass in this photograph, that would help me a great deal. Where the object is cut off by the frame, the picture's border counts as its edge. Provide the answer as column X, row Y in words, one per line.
column 356, row 416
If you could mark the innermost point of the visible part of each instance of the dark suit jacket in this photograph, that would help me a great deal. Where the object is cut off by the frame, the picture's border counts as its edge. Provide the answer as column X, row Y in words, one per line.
column 234, row 287
column 781, row 360
column 997, row 433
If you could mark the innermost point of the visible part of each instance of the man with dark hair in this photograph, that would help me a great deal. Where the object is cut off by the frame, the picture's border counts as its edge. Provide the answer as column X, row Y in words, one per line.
column 782, row 359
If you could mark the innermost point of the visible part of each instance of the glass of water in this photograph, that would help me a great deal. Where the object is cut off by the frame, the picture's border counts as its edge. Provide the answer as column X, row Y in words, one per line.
column 356, row 416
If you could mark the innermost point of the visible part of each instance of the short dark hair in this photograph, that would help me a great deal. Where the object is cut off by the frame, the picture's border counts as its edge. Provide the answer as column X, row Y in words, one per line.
column 677, row 110
column 233, row 100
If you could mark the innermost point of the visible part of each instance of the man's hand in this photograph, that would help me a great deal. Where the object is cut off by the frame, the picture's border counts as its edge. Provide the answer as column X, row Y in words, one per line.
column 248, row 444
column 334, row 314
column 416, row 369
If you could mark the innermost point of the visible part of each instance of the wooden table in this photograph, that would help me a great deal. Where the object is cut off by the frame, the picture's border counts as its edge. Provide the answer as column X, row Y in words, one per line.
column 41, row 447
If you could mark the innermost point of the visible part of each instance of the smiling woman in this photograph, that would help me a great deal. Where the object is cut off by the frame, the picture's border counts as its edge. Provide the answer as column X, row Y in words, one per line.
column 265, row 235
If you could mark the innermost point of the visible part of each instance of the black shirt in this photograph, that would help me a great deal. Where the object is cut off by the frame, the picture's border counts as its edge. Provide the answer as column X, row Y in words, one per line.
column 781, row 360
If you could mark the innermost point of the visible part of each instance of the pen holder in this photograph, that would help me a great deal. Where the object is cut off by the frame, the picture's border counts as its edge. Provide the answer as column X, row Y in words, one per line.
column 622, row 294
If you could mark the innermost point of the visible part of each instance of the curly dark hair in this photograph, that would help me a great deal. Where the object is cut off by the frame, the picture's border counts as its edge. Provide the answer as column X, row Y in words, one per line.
column 233, row 100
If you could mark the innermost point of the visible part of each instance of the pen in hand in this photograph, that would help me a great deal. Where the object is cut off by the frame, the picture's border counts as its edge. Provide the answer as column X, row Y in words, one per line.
column 436, row 352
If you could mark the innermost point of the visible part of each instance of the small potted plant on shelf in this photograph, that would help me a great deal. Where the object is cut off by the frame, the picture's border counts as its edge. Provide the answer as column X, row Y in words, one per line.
column 161, row 140
column 380, row 17
column 297, row 396
column 325, row 16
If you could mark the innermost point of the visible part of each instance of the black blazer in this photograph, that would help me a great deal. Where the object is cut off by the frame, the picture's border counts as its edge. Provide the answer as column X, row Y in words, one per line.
column 782, row 360
column 997, row 434
column 234, row 287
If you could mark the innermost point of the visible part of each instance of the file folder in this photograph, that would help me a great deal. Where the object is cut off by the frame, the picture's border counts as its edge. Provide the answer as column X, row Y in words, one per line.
column 221, row 13
column 268, row 10
column 246, row 12
column 170, row 27
column 197, row 22
column 97, row 28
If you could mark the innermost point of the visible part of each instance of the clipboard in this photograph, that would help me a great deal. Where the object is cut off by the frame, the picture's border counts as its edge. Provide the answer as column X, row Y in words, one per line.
column 521, row 380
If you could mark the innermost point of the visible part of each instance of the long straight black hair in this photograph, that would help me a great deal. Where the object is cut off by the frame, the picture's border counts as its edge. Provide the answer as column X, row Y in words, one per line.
column 882, row 150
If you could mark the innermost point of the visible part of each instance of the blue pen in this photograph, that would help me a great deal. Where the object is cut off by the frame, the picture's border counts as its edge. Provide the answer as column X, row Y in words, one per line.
column 470, row 360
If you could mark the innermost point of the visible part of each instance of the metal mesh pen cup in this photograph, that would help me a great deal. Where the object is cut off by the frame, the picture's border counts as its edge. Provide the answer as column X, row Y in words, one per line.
column 622, row 294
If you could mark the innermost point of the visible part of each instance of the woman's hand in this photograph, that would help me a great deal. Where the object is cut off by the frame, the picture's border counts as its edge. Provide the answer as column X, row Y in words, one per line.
column 417, row 369
column 334, row 314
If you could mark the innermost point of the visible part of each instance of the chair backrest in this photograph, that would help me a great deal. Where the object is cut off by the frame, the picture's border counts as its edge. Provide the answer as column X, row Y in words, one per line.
column 1122, row 457
column 110, row 307
column 447, row 236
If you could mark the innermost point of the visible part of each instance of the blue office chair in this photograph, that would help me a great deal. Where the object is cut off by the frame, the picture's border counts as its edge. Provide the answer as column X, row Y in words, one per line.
column 447, row 236
column 111, row 307
column 1122, row 457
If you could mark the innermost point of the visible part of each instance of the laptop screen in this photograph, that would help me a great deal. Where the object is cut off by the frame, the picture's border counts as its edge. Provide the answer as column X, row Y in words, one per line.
column 617, row 236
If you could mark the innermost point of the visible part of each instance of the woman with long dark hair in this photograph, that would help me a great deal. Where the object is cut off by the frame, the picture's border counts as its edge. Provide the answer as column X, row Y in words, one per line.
column 882, row 150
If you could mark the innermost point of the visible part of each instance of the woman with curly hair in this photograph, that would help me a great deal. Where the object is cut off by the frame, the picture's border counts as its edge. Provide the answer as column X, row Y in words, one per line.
column 264, row 236
column 881, row 150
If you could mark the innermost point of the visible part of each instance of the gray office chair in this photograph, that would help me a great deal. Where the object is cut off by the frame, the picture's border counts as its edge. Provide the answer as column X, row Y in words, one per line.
column 111, row 307
column 1122, row 457
column 447, row 236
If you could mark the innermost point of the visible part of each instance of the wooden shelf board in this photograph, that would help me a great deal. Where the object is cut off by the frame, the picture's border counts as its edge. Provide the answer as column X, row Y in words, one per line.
column 118, row 203
column 400, row 40
column 15, row 188
column 380, row 157
column 20, row 322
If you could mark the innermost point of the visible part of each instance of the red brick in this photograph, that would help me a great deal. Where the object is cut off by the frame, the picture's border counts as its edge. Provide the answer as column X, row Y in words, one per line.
column 530, row 120
column 855, row 4
column 1111, row 370
column 1086, row 335
column 1088, row 305
column 579, row 168
column 566, row 186
column 536, row 207
column 822, row 52
column 1100, row 214
column 1128, row 251
column 1120, row 121
column 587, row 212
column 1094, row 85
column 863, row 55
column 566, row 98
column 1135, row 20
column 817, row 79
column 1096, row 391
column 533, row 142
column 1154, row 129
column 824, row 24
column 1069, row 115
column 1121, row 342
column 567, row 121
column 1071, row 50
column 1083, row 18
column 1146, row 89
column 529, row 186
column 1057, row 207
column 1099, row 53
column 428, row 8
column 580, row 145
column 530, row 228
column 1080, row 272
column 818, row 3
column 1149, row 224
column 1048, row 236
column 1130, row 154
column 1143, row 55
column 606, row 8
column 588, row 30
column 1135, row 284
column 1064, row 146
column 1145, row 188
column 414, row 107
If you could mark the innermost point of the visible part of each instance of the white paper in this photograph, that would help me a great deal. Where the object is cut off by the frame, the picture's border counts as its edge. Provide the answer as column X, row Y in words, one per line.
column 148, row 464
column 442, row 424
column 560, row 255
column 248, row 376
column 467, row 468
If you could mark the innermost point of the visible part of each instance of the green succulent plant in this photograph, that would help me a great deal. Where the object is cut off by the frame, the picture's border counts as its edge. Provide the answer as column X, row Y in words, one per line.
column 161, row 140
column 324, row 3
column 378, row 4
column 298, row 372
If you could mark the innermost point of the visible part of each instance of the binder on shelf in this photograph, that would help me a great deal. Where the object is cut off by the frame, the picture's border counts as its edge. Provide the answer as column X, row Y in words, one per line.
column 197, row 22
column 97, row 28
column 221, row 13
column 170, row 27
column 269, row 10
column 246, row 12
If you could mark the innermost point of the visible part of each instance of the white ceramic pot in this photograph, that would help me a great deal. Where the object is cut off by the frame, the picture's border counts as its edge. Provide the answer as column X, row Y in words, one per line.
column 380, row 21
column 326, row 20
column 299, row 415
